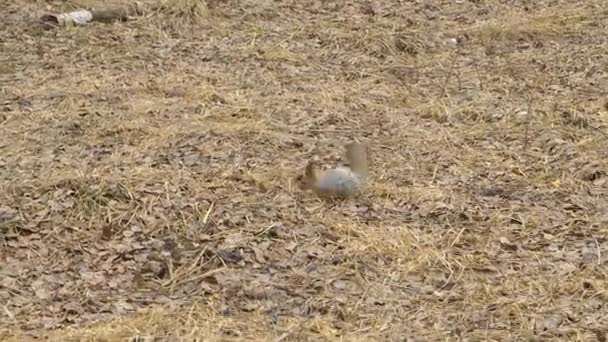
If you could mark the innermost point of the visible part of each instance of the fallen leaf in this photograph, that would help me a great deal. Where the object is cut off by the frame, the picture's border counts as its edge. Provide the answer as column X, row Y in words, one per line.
column 506, row 244
column 7, row 213
column 43, row 293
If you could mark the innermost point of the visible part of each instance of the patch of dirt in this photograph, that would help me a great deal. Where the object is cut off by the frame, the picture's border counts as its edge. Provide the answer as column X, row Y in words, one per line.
column 147, row 171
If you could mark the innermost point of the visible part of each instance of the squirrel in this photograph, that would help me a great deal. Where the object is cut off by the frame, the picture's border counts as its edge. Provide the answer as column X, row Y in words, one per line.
column 340, row 182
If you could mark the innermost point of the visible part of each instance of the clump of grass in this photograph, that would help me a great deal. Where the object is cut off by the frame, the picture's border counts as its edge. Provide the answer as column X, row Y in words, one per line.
column 514, row 26
column 191, row 10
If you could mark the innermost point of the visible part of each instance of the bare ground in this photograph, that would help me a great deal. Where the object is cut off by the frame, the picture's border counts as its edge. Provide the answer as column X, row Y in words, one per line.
column 147, row 172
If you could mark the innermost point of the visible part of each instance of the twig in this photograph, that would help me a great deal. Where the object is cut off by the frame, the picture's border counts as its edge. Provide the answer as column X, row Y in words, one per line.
column 208, row 213
column 345, row 130
column 194, row 278
column 528, row 118
column 478, row 77
column 599, row 253
column 447, row 77
column 457, row 237
column 291, row 330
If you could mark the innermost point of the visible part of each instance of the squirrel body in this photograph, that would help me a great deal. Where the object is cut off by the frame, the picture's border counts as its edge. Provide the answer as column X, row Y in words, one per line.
column 342, row 181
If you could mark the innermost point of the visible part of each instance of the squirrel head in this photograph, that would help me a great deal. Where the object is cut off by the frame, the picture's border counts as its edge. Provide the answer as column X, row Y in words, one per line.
column 308, row 179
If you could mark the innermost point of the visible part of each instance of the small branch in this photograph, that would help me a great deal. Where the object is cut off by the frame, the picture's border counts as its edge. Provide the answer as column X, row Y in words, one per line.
column 448, row 76
column 478, row 77
column 528, row 119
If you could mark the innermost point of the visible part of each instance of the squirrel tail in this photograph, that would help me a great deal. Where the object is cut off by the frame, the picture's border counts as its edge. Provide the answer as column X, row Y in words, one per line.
column 356, row 154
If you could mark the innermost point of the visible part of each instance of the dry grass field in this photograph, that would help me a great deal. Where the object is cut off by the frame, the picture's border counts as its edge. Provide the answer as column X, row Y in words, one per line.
column 147, row 171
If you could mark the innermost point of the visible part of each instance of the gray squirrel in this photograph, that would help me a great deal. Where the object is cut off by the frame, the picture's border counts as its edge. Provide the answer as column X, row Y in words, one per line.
column 343, row 181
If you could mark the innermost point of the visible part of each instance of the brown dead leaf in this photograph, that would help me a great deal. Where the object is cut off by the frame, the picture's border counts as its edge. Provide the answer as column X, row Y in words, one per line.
column 73, row 308
column 121, row 307
column 345, row 285
column 230, row 255
column 248, row 306
column 565, row 268
column 590, row 254
column 291, row 246
column 93, row 278
column 370, row 8
column 107, row 232
column 7, row 213
column 602, row 335
column 506, row 244
column 259, row 255
column 43, row 293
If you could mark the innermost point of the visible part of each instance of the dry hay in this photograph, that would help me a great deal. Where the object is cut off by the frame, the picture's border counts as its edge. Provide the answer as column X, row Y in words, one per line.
column 147, row 172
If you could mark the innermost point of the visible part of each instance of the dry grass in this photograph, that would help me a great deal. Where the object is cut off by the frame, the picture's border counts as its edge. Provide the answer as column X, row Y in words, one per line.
column 147, row 172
